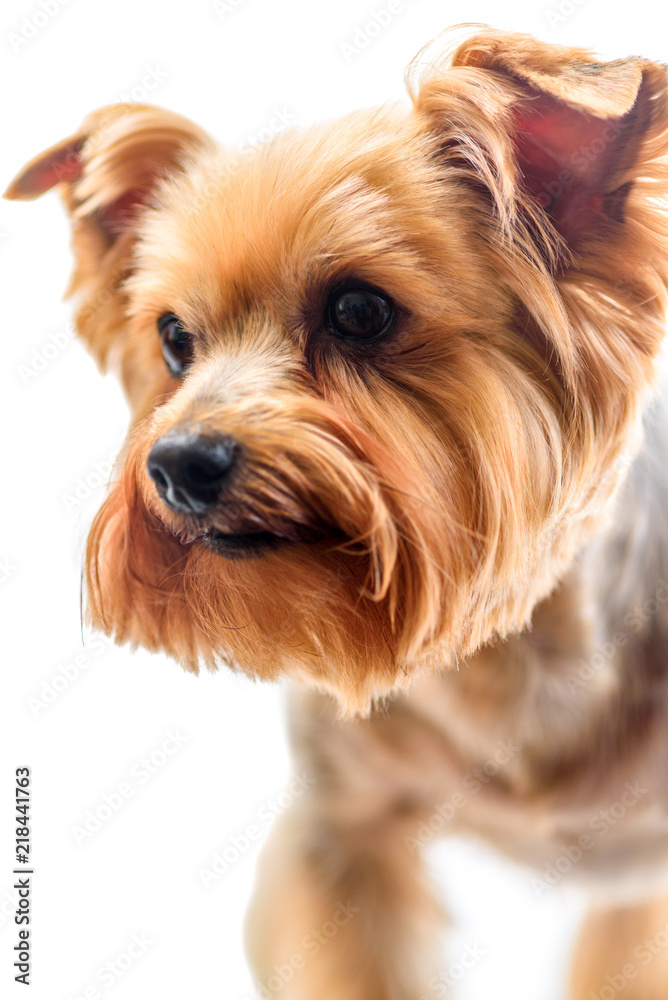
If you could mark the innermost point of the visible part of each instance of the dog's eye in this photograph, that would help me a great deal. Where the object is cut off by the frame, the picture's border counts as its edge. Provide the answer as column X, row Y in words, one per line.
column 359, row 314
column 177, row 346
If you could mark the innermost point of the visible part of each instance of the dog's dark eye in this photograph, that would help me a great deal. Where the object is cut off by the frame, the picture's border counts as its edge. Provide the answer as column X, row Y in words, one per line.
column 177, row 346
column 359, row 314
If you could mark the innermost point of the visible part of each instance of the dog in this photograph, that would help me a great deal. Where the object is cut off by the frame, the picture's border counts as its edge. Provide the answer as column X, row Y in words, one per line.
column 399, row 434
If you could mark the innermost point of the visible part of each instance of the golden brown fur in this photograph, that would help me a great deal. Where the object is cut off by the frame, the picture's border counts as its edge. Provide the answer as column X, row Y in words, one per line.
column 473, row 492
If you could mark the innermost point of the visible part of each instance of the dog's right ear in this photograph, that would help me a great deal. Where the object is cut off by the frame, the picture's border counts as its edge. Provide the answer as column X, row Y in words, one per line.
column 107, row 174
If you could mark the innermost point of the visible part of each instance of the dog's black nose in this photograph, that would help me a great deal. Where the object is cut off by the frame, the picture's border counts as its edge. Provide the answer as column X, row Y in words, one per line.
column 190, row 468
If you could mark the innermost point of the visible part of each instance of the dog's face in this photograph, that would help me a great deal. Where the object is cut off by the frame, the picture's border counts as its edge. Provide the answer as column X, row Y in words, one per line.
column 382, row 372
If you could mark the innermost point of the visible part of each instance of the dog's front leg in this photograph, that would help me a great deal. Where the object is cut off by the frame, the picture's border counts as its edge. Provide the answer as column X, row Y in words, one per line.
column 623, row 952
column 342, row 908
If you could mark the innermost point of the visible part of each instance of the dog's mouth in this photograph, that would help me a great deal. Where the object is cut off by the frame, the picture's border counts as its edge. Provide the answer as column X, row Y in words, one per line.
column 243, row 546
column 248, row 534
column 254, row 543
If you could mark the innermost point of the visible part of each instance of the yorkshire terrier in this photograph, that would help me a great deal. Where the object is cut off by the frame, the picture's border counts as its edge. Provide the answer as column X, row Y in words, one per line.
column 398, row 434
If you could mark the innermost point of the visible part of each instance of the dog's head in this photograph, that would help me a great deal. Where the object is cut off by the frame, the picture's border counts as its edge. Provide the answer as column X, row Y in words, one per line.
column 382, row 371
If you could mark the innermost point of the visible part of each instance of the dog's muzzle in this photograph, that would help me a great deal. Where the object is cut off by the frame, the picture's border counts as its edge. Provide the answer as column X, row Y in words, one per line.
column 192, row 471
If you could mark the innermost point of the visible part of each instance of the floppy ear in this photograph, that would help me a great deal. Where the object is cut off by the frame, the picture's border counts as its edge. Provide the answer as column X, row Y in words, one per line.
column 575, row 125
column 107, row 174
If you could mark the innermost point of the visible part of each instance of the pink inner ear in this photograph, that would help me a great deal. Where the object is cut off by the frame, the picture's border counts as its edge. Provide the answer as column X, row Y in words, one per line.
column 51, row 168
column 118, row 216
column 568, row 159
column 63, row 164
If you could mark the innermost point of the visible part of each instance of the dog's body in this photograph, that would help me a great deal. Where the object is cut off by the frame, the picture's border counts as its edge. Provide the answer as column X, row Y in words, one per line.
column 388, row 439
column 552, row 745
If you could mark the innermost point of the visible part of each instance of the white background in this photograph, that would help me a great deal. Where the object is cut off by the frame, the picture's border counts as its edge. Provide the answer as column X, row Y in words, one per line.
column 138, row 874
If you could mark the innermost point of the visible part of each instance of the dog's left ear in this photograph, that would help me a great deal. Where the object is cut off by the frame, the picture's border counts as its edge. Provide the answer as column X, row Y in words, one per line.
column 575, row 125
column 107, row 174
